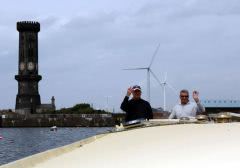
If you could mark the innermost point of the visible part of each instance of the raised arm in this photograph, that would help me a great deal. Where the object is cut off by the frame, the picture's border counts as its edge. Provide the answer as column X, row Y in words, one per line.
column 149, row 112
column 200, row 107
column 124, row 105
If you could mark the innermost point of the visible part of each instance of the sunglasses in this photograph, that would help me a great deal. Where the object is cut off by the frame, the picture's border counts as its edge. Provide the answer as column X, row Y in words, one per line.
column 184, row 96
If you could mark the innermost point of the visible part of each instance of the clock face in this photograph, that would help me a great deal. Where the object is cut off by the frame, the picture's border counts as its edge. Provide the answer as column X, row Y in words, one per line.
column 30, row 66
column 22, row 66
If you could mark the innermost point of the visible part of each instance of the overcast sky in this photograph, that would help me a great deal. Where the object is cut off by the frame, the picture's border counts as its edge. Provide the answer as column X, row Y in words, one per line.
column 84, row 45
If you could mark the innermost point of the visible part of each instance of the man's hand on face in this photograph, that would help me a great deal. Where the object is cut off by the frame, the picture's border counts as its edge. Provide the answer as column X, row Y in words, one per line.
column 196, row 96
column 129, row 91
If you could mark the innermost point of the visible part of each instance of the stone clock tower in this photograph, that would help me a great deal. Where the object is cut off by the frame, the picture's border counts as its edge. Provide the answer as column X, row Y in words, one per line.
column 28, row 98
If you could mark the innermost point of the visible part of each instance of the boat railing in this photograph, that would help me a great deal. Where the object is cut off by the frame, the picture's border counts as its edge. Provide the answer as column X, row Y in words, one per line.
column 222, row 117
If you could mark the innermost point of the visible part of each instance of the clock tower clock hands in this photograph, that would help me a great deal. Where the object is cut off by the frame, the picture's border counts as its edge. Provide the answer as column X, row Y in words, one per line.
column 31, row 66
column 22, row 66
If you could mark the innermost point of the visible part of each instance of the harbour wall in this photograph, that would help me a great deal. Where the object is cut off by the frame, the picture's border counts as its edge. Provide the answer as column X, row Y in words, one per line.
column 60, row 120
column 66, row 120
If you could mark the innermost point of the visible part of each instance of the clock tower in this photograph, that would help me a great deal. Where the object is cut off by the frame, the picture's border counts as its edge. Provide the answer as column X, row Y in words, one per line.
column 28, row 98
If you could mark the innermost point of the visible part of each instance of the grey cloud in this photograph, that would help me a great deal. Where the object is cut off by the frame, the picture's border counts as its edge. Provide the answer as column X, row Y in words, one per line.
column 208, row 8
column 172, row 10
column 49, row 22
column 97, row 20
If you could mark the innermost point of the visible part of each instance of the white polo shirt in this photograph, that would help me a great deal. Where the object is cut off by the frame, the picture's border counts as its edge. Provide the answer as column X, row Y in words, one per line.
column 187, row 110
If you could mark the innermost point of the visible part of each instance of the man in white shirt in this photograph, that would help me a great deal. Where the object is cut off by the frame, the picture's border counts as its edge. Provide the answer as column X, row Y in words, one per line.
column 186, row 108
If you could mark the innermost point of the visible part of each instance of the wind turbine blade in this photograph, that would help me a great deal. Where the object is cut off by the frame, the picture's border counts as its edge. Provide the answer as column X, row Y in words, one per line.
column 173, row 89
column 165, row 77
column 154, row 55
column 135, row 68
column 155, row 76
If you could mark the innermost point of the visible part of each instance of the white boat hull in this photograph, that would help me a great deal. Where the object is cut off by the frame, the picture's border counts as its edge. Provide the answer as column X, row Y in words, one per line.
column 172, row 146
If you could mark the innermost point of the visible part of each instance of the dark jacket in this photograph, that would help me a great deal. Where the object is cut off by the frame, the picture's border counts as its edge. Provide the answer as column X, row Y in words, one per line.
column 136, row 109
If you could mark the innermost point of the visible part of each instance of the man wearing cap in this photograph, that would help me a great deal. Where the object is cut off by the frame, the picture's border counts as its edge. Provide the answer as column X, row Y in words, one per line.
column 186, row 108
column 136, row 108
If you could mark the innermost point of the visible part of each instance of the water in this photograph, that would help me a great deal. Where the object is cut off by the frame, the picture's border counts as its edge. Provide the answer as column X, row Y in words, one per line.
column 18, row 143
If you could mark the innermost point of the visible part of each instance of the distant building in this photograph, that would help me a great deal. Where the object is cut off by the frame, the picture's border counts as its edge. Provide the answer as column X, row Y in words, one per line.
column 47, row 107
column 28, row 100
column 216, row 106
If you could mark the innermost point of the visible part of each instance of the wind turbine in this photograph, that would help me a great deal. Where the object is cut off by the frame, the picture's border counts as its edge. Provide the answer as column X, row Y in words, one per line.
column 164, row 84
column 148, row 68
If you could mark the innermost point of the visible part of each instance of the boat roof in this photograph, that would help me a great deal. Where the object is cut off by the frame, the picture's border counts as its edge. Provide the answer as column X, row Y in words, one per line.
column 170, row 146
